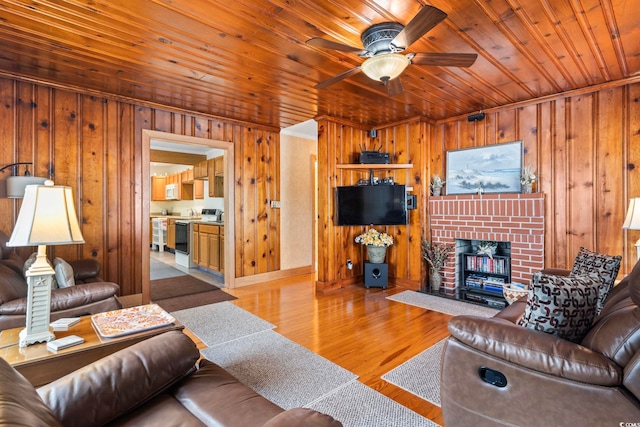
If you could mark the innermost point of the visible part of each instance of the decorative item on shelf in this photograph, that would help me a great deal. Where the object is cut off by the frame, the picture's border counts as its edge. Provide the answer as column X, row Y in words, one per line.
column 436, row 185
column 487, row 248
column 377, row 243
column 47, row 217
column 527, row 178
column 436, row 255
column 632, row 220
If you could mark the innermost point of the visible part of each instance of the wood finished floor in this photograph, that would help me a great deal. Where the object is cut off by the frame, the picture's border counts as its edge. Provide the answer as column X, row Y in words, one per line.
column 357, row 328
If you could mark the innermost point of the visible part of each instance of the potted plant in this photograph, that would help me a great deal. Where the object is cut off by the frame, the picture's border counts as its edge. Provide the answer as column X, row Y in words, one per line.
column 435, row 255
column 436, row 184
column 377, row 243
column 527, row 178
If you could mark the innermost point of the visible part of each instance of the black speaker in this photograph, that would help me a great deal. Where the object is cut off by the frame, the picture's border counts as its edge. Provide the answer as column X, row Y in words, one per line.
column 476, row 117
column 376, row 275
column 412, row 201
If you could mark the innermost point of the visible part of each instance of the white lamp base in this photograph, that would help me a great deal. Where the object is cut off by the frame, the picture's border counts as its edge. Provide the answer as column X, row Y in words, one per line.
column 39, row 278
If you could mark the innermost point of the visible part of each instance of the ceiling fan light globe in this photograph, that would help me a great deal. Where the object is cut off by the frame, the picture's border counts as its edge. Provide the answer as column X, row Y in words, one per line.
column 385, row 67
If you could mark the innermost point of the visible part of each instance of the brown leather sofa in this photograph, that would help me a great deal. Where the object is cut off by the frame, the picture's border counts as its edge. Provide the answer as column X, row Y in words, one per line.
column 90, row 295
column 496, row 373
column 157, row 382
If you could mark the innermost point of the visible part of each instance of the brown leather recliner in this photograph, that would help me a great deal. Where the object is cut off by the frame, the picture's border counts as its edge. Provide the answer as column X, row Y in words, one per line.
column 496, row 373
column 90, row 295
column 157, row 382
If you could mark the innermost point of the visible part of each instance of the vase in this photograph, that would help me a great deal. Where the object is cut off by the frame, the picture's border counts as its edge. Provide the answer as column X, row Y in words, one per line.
column 527, row 188
column 376, row 254
column 436, row 191
column 435, row 280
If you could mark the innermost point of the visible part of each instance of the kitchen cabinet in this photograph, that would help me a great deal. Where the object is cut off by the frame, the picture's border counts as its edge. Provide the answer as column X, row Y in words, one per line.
column 216, row 177
column 207, row 246
column 221, row 249
column 187, row 176
column 195, row 243
column 158, row 184
column 198, row 189
column 171, row 233
column 200, row 171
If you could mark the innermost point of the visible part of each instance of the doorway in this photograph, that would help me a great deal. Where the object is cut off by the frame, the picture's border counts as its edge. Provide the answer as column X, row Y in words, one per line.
column 229, row 200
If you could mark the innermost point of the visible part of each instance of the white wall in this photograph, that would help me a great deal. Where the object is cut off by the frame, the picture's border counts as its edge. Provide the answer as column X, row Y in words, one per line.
column 297, row 193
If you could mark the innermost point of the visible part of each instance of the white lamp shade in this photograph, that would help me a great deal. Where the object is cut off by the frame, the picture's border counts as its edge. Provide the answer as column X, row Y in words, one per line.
column 632, row 221
column 47, row 217
column 385, row 67
column 17, row 184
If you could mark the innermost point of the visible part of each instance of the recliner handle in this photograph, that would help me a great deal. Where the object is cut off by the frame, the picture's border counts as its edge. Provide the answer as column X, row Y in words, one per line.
column 492, row 376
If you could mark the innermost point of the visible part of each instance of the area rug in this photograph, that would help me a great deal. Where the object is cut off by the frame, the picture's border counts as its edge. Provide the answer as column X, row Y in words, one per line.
column 182, row 292
column 279, row 369
column 420, row 375
column 442, row 305
column 219, row 323
column 171, row 287
column 357, row 405
column 160, row 270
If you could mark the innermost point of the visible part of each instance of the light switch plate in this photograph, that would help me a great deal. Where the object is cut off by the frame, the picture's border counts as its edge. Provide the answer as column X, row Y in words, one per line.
column 275, row 204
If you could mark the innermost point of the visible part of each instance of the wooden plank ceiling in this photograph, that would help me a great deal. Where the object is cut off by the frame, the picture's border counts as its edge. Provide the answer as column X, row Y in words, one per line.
column 248, row 60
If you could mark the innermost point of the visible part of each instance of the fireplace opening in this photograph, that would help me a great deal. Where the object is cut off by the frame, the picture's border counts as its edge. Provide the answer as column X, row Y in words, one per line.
column 483, row 267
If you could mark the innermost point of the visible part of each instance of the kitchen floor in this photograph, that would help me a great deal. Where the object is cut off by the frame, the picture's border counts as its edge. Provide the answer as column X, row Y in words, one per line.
column 170, row 259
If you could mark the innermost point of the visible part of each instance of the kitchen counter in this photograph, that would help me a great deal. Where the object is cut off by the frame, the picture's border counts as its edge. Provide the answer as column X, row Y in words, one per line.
column 190, row 218
column 210, row 222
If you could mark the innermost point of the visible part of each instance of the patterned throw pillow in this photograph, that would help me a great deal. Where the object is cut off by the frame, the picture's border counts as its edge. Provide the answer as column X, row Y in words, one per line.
column 606, row 266
column 562, row 305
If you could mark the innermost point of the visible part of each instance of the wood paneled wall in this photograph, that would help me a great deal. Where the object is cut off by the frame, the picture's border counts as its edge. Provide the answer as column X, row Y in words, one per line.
column 586, row 149
column 94, row 145
column 340, row 143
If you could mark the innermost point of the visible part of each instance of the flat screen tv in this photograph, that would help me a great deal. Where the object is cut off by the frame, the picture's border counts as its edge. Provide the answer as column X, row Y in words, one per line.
column 371, row 205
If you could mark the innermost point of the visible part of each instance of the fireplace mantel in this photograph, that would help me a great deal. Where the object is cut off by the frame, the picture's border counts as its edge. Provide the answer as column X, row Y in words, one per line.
column 515, row 218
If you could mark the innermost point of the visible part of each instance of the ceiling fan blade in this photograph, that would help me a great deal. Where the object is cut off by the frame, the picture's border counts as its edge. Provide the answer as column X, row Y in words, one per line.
column 329, row 44
column 427, row 18
column 445, row 59
column 394, row 87
column 336, row 79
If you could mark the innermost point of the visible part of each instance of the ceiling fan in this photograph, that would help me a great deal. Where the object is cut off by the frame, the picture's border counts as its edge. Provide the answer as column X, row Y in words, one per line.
column 382, row 46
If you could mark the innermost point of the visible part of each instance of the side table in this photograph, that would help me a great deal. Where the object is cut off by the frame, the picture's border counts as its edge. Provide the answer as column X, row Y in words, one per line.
column 40, row 366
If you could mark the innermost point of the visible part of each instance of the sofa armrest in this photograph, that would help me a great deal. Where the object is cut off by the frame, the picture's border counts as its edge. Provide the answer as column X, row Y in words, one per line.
column 302, row 417
column 556, row 271
column 82, row 294
column 118, row 383
column 84, row 269
column 535, row 350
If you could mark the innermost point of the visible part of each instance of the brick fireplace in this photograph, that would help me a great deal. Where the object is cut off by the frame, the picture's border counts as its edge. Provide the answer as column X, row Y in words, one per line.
column 514, row 218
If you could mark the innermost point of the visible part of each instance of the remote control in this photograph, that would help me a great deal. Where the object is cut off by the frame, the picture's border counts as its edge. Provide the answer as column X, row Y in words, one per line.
column 62, row 343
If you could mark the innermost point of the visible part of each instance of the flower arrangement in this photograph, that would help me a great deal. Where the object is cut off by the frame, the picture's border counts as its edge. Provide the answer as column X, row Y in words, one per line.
column 487, row 248
column 437, row 182
column 528, row 175
column 375, row 238
column 435, row 254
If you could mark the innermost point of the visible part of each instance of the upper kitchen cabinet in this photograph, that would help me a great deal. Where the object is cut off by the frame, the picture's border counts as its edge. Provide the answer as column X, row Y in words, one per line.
column 216, row 177
column 158, row 184
column 187, row 176
column 198, row 189
column 200, row 170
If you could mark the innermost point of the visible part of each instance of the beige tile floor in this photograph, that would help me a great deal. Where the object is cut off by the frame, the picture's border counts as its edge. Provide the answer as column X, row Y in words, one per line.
column 206, row 276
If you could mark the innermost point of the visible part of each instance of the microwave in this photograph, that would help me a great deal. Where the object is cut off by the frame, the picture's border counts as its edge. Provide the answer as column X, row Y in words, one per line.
column 171, row 192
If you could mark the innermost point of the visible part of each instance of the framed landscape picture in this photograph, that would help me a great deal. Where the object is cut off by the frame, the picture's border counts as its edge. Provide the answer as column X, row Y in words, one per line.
column 491, row 169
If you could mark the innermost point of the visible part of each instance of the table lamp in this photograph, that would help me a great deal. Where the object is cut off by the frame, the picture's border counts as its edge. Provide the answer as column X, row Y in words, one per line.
column 47, row 217
column 632, row 221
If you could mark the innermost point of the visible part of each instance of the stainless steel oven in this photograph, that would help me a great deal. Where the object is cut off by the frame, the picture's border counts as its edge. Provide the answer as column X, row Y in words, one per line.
column 183, row 237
